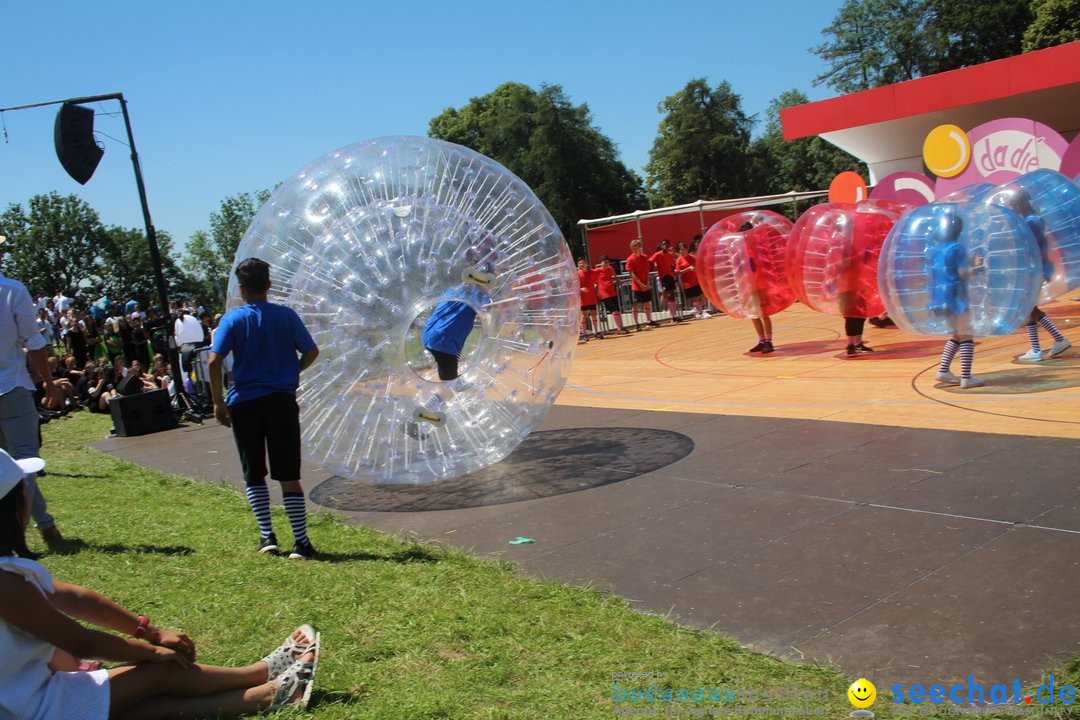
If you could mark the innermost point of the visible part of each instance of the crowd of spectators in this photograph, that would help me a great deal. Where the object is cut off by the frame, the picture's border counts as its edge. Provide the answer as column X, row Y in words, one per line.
column 108, row 348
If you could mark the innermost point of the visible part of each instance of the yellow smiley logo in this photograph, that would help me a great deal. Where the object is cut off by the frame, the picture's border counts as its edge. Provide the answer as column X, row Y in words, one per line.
column 862, row 693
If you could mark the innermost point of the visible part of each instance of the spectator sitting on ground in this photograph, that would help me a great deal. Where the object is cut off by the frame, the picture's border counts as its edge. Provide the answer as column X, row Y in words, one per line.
column 40, row 637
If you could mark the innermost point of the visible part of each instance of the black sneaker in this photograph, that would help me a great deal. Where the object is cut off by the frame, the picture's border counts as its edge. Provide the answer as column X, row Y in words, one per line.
column 877, row 322
column 599, row 336
column 637, row 328
column 676, row 319
column 303, row 551
column 863, row 347
column 654, row 323
column 766, row 347
column 269, row 545
column 757, row 348
column 852, row 350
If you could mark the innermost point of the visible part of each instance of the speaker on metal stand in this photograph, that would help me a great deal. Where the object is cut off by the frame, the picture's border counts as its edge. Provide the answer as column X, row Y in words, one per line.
column 76, row 148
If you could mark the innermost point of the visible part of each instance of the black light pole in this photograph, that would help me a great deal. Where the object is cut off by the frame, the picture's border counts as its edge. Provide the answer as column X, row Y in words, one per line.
column 151, row 236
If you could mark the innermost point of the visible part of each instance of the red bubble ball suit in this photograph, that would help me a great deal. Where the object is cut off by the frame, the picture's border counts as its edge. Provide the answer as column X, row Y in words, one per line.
column 741, row 264
column 832, row 256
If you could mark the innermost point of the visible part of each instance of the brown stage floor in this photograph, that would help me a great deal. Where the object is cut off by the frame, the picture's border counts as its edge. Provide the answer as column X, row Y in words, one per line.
column 703, row 367
column 820, row 508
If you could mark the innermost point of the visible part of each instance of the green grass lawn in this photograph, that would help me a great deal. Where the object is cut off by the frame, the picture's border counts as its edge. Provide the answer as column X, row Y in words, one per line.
column 409, row 631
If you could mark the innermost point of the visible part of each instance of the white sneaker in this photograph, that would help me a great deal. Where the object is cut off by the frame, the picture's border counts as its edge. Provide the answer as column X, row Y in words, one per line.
column 1059, row 347
column 704, row 315
column 1031, row 356
column 971, row 382
column 947, row 377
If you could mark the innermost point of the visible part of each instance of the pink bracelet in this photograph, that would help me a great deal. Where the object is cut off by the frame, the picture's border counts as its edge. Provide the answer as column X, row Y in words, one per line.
column 144, row 622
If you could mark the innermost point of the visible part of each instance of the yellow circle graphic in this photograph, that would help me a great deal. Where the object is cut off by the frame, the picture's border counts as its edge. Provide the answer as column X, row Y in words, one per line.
column 862, row 693
column 946, row 151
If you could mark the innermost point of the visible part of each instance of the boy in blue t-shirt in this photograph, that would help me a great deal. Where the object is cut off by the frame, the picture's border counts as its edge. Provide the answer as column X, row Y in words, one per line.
column 452, row 320
column 270, row 347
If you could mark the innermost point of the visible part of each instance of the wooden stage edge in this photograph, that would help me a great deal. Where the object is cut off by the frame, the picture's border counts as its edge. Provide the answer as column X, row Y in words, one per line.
column 702, row 366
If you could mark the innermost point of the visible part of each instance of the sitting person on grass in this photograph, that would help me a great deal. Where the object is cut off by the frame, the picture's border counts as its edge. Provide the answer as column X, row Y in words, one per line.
column 40, row 640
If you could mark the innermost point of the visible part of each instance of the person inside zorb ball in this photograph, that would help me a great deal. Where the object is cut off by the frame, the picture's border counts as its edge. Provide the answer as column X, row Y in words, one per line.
column 441, row 294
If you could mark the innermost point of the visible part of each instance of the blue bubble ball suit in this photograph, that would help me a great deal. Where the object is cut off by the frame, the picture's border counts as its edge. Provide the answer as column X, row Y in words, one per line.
column 960, row 268
column 1050, row 203
column 365, row 243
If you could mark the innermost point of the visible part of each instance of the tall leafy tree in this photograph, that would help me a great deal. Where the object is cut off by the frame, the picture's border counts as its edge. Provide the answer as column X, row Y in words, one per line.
column 551, row 144
column 802, row 164
column 129, row 269
column 1054, row 22
column 210, row 256
column 55, row 243
column 961, row 33
column 878, row 42
column 702, row 148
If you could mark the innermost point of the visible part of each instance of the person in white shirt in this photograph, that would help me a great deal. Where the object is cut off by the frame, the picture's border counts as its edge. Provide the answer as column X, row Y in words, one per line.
column 189, row 338
column 20, row 344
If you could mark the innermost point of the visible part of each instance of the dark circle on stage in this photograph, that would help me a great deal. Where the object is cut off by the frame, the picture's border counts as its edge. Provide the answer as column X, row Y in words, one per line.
column 548, row 463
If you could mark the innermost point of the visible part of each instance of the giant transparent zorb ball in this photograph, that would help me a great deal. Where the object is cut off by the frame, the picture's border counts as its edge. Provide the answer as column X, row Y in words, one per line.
column 363, row 243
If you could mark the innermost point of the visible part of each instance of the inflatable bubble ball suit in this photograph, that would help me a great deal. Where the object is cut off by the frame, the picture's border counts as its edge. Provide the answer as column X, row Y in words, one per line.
column 832, row 256
column 967, row 268
column 741, row 264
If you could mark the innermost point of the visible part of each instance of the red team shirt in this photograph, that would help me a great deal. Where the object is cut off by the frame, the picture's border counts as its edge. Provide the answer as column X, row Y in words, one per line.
column 587, row 278
column 689, row 278
column 665, row 261
column 605, row 280
column 639, row 266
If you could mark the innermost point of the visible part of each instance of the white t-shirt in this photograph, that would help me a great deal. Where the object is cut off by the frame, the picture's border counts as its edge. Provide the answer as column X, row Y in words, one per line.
column 188, row 330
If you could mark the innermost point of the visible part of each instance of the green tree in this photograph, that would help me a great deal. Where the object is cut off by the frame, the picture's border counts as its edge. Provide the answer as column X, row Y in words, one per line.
column 54, row 244
column 878, row 42
column 702, row 148
column 210, row 256
column 1055, row 22
column 801, row 164
column 965, row 33
column 129, row 270
column 552, row 145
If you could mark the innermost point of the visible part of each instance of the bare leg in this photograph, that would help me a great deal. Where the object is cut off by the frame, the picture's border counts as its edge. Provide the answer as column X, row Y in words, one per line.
column 766, row 323
column 131, row 685
column 759, row 327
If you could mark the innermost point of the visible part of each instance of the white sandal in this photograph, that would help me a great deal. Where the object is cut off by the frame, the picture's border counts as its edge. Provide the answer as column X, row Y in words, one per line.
column 284, row 656
column 300, row 674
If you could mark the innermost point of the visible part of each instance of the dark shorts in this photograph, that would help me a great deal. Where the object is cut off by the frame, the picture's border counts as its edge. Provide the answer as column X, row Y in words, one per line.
column 643, row 296
column 268, row 425
column 588, row 308
column 447, row 364
column 694, row 291
column 611, row 304
column 668, row 283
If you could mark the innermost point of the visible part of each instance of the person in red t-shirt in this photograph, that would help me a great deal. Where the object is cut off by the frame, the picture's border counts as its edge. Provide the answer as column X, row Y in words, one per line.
column 608, row 295
column 665, row 272
column 686, row 267
column 587, row 282
column 639, row 266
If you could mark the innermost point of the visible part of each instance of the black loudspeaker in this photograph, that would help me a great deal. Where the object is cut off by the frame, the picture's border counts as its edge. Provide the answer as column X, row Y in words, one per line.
column 143, row 413
column 75, row 145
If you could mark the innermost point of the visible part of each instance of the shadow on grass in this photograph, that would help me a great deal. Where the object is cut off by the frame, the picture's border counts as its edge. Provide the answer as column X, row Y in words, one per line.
column 73, row 546
column 410, row 555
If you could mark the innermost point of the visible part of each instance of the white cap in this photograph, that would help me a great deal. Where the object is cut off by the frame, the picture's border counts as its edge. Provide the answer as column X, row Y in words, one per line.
column 12, row 470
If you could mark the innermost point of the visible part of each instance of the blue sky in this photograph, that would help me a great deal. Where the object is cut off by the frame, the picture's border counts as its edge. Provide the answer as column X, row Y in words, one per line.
column 227, row 97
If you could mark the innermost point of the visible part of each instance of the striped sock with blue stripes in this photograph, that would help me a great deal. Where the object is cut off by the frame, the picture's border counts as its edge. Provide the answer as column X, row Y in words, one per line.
column 259, row 498
column 1049, row 326
column 297, row 511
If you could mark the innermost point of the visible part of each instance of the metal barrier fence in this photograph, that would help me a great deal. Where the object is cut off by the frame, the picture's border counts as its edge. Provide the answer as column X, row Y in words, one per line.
column 625, row 294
